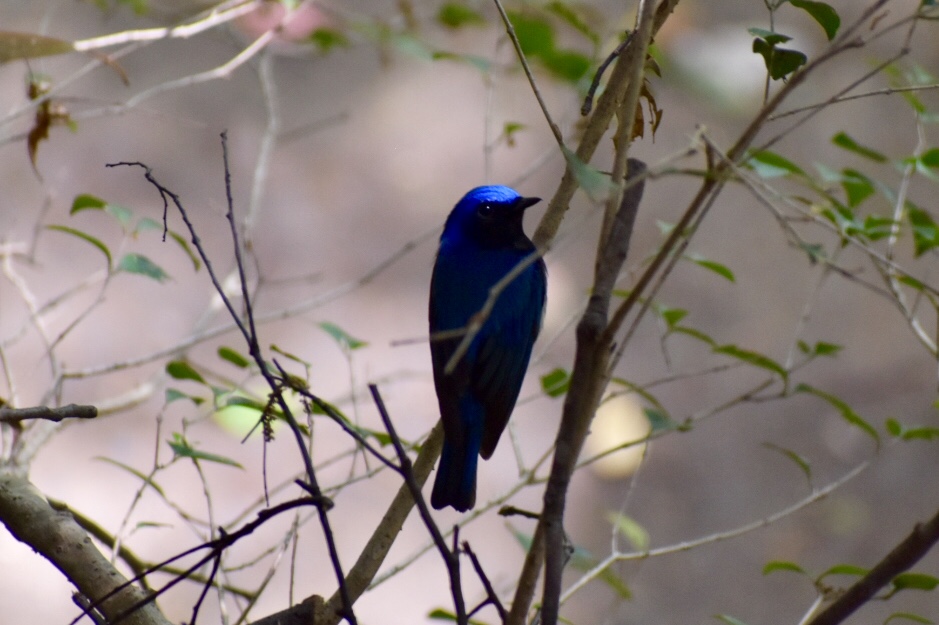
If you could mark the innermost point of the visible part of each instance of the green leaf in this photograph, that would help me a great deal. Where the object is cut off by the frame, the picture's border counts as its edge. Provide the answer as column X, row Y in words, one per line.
column 138, row 474
column 181, row 242
column 671, row 316
column 523, row 538
column 555, row 383
column 566, row 65
column 914, row 581
column 769, row 36
column 753, row 358
column 912, row 282
column 123, row 214
column 815, row 251
column 145, row 224
column 637, row 535
column 570, row 16
column 439, row 614
column 827, row 349
column 876, row 227
column 821, row 348
column 289, row 356
column 15, row 46
column 822, row 13
column 897, row 429
column 843, row 217
column 411, row 46
column 345, row 340
column 730, row 620
column 844, row 141
column 139, row 7
column 535, row 35
column 246, row 402
column 694, row 333
column 925, row 232
column 893, row 427
column 173, row 394
column 921, row 433
column 142, row 525
column 768, row 164
column 583, row 560
column 182, row 370
column 478, row 62
column 782, row 565
column 457, row 15
column 721, row 270
column 844, row 569
column 328, row 39
column 784, row 62
column 182, row 449
column 383, row 438
column 665, row 227
column 916, row 618
column 140, row 264
column 510, row 129
column 930, row 158
column 86, row 201
column 595, row 183
column 658, row 417
column 317, row 409
column 857, row 186
column 659, row 420
column 84, row 237
column 800, row 461
column 235, row 358
column 780, row 62
column 844, row 409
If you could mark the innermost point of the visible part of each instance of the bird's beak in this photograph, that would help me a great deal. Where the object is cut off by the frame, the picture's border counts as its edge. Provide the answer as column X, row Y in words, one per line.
column 524, row 202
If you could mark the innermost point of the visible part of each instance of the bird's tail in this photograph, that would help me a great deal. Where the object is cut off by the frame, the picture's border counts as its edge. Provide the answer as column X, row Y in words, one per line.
column 455, row 484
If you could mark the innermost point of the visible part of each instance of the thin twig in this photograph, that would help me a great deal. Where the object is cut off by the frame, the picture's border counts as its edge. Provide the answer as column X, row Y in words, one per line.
column 815, row 496
column 491, row 596
column 450, row 558
column 531, row 78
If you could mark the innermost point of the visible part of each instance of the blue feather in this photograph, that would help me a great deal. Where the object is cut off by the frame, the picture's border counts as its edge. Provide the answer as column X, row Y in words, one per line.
column 482, row 241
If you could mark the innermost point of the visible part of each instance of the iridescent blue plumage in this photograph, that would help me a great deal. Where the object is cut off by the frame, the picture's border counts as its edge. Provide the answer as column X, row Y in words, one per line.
column 482, row 241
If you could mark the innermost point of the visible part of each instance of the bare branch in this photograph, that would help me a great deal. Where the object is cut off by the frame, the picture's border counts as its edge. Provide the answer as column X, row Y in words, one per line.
column 56, row 536
column 184, row 31
column 71, row 411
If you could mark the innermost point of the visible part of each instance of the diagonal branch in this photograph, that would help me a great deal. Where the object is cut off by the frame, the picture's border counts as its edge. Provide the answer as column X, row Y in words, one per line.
column 55, row 535
column 923, row 538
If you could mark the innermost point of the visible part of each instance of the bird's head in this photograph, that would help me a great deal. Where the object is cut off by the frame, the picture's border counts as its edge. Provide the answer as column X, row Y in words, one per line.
column 491, row 217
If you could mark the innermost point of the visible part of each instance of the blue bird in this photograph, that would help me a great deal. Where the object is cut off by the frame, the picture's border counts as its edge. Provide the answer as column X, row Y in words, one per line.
column 482, row 241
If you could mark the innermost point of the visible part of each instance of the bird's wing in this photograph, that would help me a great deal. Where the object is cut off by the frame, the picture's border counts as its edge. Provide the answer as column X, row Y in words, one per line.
column 505, row 345
column 451, row 304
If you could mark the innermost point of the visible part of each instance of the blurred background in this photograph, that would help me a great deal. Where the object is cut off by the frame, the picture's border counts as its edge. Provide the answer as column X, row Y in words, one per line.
column 347, row 155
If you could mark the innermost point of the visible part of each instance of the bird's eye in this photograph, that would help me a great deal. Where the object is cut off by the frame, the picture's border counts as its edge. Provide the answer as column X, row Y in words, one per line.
column 485, row 211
